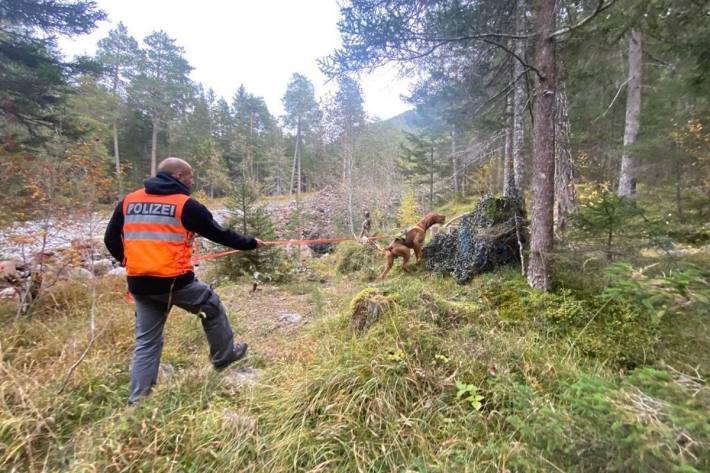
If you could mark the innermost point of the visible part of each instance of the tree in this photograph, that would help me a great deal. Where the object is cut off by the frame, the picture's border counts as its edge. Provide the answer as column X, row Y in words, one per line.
column 565, row 194
column 419, row 161
column 608, row 217
column 301, row 110
column 118, row 53
column 627, row 177
column 34, row 81
column 509, row 186
column 348, row 121
column 253, row 124
column 214, row 177
column 543, row 179
column 162, row 86
column 408, row 210
column 249, row 218
column 519, row 101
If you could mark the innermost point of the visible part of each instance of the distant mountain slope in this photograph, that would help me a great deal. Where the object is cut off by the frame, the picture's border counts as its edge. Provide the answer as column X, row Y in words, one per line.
column 404, row 120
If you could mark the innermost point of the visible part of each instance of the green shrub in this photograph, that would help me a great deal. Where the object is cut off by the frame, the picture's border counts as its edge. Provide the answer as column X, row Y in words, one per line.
column 618, row 226
column 353, row 257
column 250, row 218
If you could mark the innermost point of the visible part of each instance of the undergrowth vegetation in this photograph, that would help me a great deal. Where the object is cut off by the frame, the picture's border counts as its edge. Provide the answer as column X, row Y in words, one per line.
column 365, row 260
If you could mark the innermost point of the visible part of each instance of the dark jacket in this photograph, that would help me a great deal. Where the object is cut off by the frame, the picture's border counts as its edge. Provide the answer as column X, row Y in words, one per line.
column 195, row 218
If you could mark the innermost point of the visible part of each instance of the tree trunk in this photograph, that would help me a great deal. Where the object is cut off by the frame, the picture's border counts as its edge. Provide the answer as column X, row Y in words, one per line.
column 454, row 162
column 519, row 100
column 543, row 179
column 431, row 181
column 508, row 173
column 565, row 195
column 250, row 166
column 114, row 89
column 627, row 178
column 349, row 173
column 153, row 147
column 344, row 170
column 678, row 183
column 299, row 229
column 500, row 173
column 245, row 207
column 298, row 173
column 295, row 157
column 119, row 177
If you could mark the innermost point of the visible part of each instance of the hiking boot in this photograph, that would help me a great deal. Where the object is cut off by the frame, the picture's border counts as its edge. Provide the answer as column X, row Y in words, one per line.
column 240, row 349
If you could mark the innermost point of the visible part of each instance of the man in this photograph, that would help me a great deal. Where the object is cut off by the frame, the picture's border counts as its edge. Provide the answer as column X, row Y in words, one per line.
column 151, row 233
column 366, row 224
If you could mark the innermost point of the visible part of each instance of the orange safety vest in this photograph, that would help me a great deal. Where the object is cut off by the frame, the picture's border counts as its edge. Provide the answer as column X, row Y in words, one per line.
column 155, row 243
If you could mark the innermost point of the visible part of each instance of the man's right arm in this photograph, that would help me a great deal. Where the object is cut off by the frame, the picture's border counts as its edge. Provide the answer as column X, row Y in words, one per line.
column 114, row 231
column 196, row 218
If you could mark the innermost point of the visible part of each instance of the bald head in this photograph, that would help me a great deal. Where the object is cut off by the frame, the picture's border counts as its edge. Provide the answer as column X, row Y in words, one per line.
column 178, row 168
column 173, row 165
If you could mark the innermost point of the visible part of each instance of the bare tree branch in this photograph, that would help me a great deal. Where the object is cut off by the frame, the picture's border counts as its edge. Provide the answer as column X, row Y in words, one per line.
column 517, row 58
column 621, row 87
column 601, row 6
column 504, row 91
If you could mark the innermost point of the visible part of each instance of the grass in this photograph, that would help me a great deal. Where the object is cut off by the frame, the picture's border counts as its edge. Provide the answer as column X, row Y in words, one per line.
column 558, row 392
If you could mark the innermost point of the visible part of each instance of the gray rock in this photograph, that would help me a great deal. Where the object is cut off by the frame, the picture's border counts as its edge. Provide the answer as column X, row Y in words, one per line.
column 8, row 293
column 290, row 318
column 102, row 266
column 8, row 269
column 120, row 271
column 238, row 377
column 79, row 273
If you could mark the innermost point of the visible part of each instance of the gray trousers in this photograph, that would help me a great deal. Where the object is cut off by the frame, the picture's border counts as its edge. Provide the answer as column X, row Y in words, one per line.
column 151, row 314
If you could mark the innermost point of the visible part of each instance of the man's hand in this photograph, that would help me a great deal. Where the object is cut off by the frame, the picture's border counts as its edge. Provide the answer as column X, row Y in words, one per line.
column 259, row 243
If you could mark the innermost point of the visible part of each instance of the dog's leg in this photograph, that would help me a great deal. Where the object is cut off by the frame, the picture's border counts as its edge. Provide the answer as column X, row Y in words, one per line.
column 417, row 250
column 405, row 258
column 388, row 264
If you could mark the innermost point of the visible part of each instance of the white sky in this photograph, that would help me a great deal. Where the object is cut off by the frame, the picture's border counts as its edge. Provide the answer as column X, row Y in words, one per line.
column 258, row 43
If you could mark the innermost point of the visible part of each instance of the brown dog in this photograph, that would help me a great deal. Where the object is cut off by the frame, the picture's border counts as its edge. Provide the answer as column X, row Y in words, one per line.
column 413, row 239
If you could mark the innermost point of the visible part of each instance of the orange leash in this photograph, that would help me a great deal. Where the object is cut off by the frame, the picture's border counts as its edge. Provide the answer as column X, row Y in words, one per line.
column 281, row 242
column 197, row 259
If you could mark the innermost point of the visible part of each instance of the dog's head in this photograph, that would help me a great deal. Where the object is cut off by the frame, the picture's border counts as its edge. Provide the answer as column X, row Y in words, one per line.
column 433, row 218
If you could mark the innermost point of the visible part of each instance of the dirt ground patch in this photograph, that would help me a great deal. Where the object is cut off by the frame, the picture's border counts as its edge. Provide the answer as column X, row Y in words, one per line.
column 273, row 320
